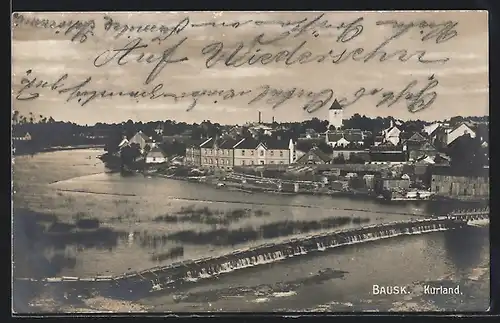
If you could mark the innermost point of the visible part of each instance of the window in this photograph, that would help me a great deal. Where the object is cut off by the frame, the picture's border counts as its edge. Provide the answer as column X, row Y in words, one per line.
column 211, row 161
column 243, row 162
column 281, row 162
column 272, row 152
column 252, row 152
column 262, row 152
column 281, row 153
column 211, row 151
column 272, row 161
column 205, row 160
column 154, row 158
column 310, row 157
column 262, row 162
column 251, row 162
column 242, row 153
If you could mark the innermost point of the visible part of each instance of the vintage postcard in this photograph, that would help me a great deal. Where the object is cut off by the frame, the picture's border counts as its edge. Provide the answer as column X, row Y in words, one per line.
column 250, row 161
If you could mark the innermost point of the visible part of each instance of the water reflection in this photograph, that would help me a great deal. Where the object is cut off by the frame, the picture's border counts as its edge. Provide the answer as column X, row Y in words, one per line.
column 465, row 253
column 42, row 244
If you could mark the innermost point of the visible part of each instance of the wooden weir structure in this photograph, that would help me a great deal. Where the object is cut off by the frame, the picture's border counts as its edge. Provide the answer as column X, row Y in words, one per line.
column 158, row 277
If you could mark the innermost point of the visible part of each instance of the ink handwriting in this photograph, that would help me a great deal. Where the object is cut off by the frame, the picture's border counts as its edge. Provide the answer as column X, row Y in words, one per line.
column 416, row 97
column 348, row 30
column 441, row 32
column 78, row 30
column 254, row 53
column 122, row 56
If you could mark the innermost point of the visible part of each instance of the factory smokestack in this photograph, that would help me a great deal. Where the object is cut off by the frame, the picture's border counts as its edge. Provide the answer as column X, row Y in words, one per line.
column 260, row 117
column 273, row 119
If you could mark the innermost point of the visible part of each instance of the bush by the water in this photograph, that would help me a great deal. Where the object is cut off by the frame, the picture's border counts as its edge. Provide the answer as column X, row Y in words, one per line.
column 207, row 216
column 226, row 237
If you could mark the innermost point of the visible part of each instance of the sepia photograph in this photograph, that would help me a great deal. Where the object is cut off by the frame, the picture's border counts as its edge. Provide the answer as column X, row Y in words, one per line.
column 175, row 162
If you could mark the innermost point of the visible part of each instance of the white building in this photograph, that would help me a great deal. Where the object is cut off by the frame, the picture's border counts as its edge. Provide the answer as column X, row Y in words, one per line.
column 391, row 134
column 459, row 131
column 336, row 115
column 156, row 156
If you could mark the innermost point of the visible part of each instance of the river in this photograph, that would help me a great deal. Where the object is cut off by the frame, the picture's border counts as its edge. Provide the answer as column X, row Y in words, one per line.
column 150, row 222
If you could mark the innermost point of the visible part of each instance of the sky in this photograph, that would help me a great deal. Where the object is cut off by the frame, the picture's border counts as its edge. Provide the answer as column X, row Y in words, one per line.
column 49, row 54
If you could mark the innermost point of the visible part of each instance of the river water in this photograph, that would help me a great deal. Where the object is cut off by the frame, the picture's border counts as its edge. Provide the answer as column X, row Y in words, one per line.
column 66, row 186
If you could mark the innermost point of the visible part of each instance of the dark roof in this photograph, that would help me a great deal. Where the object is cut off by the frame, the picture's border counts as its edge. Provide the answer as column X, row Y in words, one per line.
column 351, row 147
column 405, row 135
column 318, row 152
column 194, row 142
column 334, row 136
column 227, row 143
column 353, row 137
column 335, row 105
column 417, row 137
column 452, row 171
column 248, row 143
column 208, row 143
column 386, row 147
column 276, row 144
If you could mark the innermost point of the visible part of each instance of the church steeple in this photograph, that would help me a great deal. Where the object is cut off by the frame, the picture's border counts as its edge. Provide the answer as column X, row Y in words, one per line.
column 335, row 105
column 335, row 115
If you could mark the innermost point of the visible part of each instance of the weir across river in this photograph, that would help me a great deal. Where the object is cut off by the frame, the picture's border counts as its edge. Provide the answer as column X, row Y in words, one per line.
column 193, row 270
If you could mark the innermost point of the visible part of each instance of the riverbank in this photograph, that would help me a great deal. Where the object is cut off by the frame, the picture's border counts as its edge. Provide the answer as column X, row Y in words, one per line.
column 32, row 151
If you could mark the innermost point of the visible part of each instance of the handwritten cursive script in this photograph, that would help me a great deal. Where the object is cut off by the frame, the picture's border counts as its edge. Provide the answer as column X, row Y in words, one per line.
column 416, row 98
column 77, row 29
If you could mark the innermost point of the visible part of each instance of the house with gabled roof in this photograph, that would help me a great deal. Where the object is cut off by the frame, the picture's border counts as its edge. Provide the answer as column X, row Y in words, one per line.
column 460, row 130
column 430, row 129
column 156, row 155
column 251, row 151
column 141, row 139
column 417, row 145
column 392, row 133
column 314, row 156
column 218, row 152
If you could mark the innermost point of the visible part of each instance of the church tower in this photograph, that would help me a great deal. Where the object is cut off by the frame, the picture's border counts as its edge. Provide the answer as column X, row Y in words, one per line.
column 336, row 115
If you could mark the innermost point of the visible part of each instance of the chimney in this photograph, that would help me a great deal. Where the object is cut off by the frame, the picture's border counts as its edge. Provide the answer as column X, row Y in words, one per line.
column 260, row 117
column 273, row 119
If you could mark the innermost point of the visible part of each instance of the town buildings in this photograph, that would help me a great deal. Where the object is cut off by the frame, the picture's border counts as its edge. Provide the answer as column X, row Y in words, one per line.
column 225, row 153
column 156, row 155
column 217, row 153
column 314, row 157
column 392, row 134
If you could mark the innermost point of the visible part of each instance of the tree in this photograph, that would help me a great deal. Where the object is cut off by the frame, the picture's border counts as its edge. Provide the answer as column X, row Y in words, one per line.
column 339, row 160
column 467, row 155
column 356, row 159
